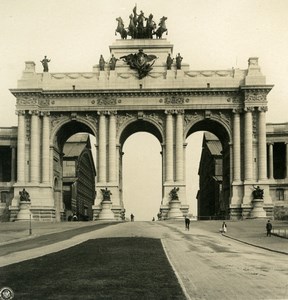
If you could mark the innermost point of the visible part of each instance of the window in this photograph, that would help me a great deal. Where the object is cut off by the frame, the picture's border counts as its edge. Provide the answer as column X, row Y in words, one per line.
column 4, row 197
column 280, row 194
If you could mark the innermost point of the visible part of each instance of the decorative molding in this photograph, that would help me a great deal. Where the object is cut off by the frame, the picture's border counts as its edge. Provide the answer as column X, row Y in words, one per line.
column 156, row 117
column 105, row 100
column 173, row 100
column 27, row 100
column 121, row 119
column 255, row 96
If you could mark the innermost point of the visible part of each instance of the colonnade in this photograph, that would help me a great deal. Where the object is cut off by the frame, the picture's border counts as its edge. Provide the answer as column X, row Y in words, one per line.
column 38, row 162
column 109, row 159
column 248, row 153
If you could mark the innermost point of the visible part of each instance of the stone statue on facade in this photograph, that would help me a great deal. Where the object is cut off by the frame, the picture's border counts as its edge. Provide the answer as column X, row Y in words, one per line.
column 24, row 196
column 258, row 193
column 179, row 59
column 141, row 62
column 112, row 62
column 169, row 61
column 174, row 193
column 44, row 63
column 162, row 28
column 137, row 27
column 120, row 28
column 106, row 194
column 101, row 63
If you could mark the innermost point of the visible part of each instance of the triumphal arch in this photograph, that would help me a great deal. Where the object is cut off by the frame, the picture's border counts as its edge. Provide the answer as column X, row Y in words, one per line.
column 143, row 86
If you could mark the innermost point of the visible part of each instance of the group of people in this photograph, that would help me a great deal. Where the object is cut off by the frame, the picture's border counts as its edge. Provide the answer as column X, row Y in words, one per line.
column 223, row 228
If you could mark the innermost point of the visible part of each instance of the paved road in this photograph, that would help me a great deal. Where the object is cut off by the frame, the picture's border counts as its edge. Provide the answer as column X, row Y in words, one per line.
column 208, row 265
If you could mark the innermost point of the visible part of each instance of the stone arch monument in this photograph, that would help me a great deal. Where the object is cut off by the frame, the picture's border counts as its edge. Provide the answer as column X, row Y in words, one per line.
column 140, row 92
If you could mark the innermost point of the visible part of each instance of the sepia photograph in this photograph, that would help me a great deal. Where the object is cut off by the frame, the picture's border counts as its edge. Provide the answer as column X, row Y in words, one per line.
column 143, row 149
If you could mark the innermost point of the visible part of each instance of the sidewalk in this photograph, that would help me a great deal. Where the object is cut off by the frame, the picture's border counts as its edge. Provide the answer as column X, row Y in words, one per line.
column 251, row 232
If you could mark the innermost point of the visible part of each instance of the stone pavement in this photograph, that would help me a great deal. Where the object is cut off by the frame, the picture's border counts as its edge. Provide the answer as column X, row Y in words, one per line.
column 247, row 231
column 17, row 245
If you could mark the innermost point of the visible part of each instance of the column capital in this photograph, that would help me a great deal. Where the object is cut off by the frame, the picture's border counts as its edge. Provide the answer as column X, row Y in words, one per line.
column 34, row 112
column 237, row 110
column 106, row 112
column 20, row 112
column 249, row 109
column 272, row 143
column 180, row 111
column 45, row 113
column 262, row 108
column 170, row 111
column 111, row 112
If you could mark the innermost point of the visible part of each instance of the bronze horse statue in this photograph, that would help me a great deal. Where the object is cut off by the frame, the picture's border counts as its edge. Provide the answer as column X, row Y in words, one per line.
column 162, row 28
column 120, row 28
column 132, row 29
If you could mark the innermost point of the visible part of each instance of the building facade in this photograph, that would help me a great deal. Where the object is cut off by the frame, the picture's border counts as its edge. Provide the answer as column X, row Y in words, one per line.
column 78, row 178
column 142, row 91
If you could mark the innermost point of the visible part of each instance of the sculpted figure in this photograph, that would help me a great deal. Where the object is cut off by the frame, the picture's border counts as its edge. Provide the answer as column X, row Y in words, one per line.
column 140, row 62
column 169, row 61
column 112, row 62
column 101, row 63
column 106, row 194
column 150, row 27
column 162, row 28
column 44, row 63
column 120, row 28
column 178, row 61
column 24, row 195
column 258, row 193
column 174, row 193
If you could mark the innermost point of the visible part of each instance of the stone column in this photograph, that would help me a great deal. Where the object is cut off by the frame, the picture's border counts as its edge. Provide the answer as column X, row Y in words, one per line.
column 271, row 165
column 102, row 148
column 262, row 148
column 286, row 160
column 236, row 147
column 112, row 147
column 13, row 163
column 169, row 147
column 45, row 147
column 179, row 147
column 248, row 144
column 21, row 147
column 34, row 147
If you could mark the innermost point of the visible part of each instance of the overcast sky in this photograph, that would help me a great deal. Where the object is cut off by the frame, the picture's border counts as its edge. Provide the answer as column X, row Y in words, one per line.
column 209, row 34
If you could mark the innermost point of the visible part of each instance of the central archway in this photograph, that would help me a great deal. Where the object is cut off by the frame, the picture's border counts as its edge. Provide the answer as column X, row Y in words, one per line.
column 142, row 176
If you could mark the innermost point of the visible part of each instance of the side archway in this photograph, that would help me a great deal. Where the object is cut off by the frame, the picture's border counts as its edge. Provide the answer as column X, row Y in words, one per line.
column 214, row 168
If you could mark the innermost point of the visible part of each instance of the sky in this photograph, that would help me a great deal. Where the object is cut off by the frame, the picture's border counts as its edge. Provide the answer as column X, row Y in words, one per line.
column 209, row 34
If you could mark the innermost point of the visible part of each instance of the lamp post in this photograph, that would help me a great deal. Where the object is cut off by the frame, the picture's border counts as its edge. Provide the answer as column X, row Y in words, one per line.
column 30, row 226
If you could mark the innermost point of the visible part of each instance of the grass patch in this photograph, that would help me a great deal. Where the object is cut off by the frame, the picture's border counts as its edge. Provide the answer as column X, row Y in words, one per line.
column 112, row 268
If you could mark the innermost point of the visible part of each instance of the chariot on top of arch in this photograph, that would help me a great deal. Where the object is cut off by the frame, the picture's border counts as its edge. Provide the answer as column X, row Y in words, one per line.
column 141, row 27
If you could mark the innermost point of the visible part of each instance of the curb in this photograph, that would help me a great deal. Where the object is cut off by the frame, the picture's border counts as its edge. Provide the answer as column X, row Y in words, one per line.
column 250, row 244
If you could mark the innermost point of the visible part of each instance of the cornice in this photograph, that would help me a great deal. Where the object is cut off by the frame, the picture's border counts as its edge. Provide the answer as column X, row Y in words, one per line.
column 125, row 93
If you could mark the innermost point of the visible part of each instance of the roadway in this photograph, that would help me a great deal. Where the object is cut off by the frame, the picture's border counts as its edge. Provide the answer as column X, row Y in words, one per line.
column 208, row 264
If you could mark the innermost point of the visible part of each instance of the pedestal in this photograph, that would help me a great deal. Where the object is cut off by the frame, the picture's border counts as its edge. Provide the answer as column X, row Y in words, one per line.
column 24, row 212
column 258, row 210
column 106, row 212
column 174, row 211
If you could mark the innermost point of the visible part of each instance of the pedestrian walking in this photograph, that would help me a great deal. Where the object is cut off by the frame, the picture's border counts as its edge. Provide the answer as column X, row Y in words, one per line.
column 268, row 228
column 224, row 227
column 132, row 217
column 187, row 223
